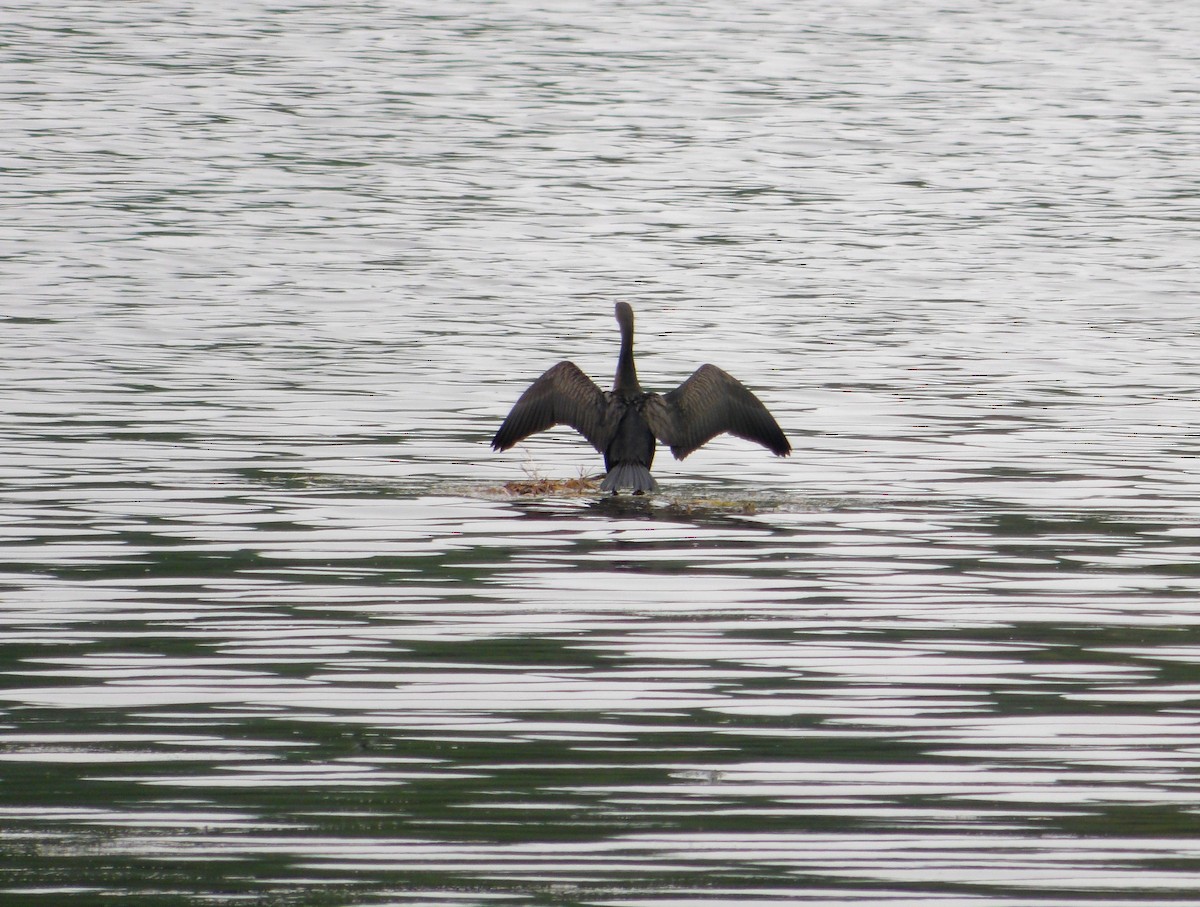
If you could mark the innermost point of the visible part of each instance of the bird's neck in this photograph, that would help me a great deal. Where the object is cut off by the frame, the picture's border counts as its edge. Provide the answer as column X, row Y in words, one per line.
column 627, row 380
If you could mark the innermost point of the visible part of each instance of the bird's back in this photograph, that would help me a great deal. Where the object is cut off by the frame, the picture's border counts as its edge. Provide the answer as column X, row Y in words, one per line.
column 630, row 454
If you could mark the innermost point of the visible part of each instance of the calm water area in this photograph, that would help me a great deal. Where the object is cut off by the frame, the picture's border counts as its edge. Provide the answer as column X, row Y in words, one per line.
column 273, row 633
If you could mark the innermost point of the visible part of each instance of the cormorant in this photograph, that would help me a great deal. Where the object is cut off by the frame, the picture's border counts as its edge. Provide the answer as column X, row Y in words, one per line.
column 623, row 423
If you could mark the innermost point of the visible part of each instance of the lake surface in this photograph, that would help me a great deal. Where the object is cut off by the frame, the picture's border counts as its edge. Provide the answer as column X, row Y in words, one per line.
column 272, row 631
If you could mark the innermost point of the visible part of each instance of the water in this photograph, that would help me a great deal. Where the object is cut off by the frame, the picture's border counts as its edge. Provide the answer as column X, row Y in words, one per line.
column 273, row 633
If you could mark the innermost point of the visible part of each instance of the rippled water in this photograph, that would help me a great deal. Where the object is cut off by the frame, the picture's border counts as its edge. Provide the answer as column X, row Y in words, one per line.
column 272, row 631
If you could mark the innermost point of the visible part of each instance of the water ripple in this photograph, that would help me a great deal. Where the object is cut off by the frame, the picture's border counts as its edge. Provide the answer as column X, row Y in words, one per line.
column 272, row 631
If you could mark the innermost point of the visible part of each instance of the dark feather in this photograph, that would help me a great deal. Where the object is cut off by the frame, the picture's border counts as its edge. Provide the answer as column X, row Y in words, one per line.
column 629, row 475
column 707, row 404
column 564, row 395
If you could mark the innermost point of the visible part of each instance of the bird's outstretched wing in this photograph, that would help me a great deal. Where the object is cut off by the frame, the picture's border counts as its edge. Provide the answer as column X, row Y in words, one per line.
column 710, row 402
column 564, row 395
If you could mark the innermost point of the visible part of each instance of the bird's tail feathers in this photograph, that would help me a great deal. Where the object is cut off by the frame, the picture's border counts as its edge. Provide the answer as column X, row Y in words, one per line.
column 634, row 476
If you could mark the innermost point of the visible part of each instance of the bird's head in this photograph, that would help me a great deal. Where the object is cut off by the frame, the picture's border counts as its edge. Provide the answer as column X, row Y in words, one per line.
column 625, row 316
